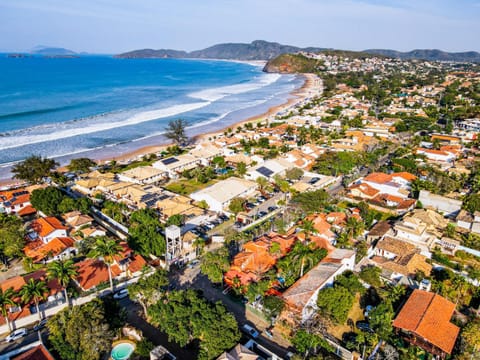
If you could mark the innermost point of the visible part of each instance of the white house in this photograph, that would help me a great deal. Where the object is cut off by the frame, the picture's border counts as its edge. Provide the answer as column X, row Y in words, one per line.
column 176, row 164
column 269, row 169
column 219, row 195
column 437, row 155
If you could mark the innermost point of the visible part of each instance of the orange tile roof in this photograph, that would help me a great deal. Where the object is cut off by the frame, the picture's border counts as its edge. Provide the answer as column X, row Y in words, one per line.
column 428, row 315
column 137, row 263
column 37, row 353
column 53, row 248
column 27, row 210
column 405, row 175
column 16, row 283
column 365, row 188
column 45, row 226
column 379, row 178
column 91, row 273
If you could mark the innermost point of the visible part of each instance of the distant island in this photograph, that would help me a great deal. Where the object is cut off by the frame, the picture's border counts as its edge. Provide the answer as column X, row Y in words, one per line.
column 52, row 51
column 264, row 50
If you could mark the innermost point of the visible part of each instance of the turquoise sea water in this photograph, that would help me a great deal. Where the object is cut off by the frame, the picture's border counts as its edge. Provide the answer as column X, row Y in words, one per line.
column 65, row 108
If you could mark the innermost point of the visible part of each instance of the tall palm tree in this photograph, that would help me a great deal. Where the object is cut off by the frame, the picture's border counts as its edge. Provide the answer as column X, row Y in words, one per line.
column 354, row 227
column 63, row 271
column 106, row 249
column 6, row 299
column 308, row 228
column 36, row 291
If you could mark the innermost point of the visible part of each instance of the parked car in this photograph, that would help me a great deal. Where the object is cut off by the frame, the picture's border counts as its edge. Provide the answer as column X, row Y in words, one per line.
column 272, row 208
column 262, row 214
column 193, row 263
column 269, row 332
column 40, row 325
column 314, row 180
column 364, row 326
column 121, row 294
column 17, row 334
column 250, row 331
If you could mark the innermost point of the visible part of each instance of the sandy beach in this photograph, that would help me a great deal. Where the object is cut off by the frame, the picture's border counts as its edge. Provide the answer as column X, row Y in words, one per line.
column 306, row 90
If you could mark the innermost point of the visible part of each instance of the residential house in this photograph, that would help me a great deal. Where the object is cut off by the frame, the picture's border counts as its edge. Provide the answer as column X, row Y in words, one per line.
column 396, row 184
column 437, row 155
column 47, row 228
column 219, row 195
column 14, row 201
column 77, row 220
column 142, row 175
column 269, row 169
column 301, row 297
column 16, row 312
column 58, row 248
column 398, row 258
column 174, row 165
column 38, row 352
column 424, row 321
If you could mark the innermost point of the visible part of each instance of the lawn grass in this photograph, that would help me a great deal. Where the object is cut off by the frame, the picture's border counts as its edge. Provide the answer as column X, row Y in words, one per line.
column 186, row 187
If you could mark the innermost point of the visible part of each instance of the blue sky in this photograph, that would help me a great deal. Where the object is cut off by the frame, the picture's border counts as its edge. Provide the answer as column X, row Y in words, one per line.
column 112, row 26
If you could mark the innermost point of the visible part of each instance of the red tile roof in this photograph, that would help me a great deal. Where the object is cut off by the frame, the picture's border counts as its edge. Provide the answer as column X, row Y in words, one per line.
column 37, row 353
column 27, row 210
column 53, row 248
column 428, row 315
column 47, row 225
column 91, row 273
column 136, row 264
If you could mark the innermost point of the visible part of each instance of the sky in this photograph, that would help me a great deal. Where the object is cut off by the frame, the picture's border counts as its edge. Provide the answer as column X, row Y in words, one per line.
column 115, row 26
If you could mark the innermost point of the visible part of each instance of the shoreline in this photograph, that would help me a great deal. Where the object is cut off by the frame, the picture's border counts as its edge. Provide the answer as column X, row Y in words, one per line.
column 296, row 96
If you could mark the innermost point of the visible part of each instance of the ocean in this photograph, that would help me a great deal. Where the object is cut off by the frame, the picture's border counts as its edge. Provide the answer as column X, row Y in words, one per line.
column 99, row 106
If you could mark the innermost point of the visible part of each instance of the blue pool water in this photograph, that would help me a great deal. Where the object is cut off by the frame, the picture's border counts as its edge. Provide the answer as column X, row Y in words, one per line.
column 122, row 351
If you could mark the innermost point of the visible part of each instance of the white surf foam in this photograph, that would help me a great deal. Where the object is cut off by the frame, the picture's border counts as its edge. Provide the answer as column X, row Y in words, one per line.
column 8, row 142
column 215, row 94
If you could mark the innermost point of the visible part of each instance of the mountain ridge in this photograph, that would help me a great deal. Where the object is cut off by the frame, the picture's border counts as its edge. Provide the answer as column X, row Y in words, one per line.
column 265, row 50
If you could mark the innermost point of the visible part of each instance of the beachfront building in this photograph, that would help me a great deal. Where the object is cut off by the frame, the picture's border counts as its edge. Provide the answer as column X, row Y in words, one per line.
column 424, row 321
column 219, row 195
column 174, row 165
column 142, row 175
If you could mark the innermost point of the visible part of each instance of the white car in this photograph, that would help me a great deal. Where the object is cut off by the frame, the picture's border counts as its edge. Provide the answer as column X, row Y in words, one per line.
column 17, row 334
column 121, row 294
column 250, row 331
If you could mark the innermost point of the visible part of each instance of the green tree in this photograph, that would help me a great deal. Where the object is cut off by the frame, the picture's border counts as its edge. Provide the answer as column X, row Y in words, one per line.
column 335, row 302
column 472, row 203
column 241, row 168
column 215, row 264
column 12, row 236
column 219, row 161
column 350, row 281
column 371, row 275
column 63, row 272
column 33, row 169
column 81, row 165
column 311, row 201
column 149, row 289
column 66, row 205
column 175, row 131
column 471, row 335
column 176, row 219
column 36, row 291
column 47, row 200
column 81, row 332
column 273, row 306
column 236, row 205
column 105, row 250
column 294, row 173
column 306, row 343
column 7, row 300
column 381, row 319
column 186, row 316
column 354, row 227
column 144, row 233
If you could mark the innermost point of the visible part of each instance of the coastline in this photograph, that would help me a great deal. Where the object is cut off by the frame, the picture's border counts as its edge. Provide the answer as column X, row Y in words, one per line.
column 296, row 96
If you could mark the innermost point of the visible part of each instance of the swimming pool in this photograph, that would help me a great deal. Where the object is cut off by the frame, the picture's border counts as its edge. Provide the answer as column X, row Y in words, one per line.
column 122, row 351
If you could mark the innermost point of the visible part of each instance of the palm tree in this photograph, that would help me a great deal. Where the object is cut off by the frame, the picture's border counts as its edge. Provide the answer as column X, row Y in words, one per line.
column 63, row 271
column 36, row 291
column 308, row 228
column 262, row 183
column 354, row 227
column 106, row 249
column 6, row 299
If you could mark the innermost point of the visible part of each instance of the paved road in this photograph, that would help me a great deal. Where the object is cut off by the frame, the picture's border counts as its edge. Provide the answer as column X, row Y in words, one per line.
column 31, row 337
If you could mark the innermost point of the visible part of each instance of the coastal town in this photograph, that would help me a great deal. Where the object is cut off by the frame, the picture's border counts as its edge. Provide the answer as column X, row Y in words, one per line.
column 342, row 225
